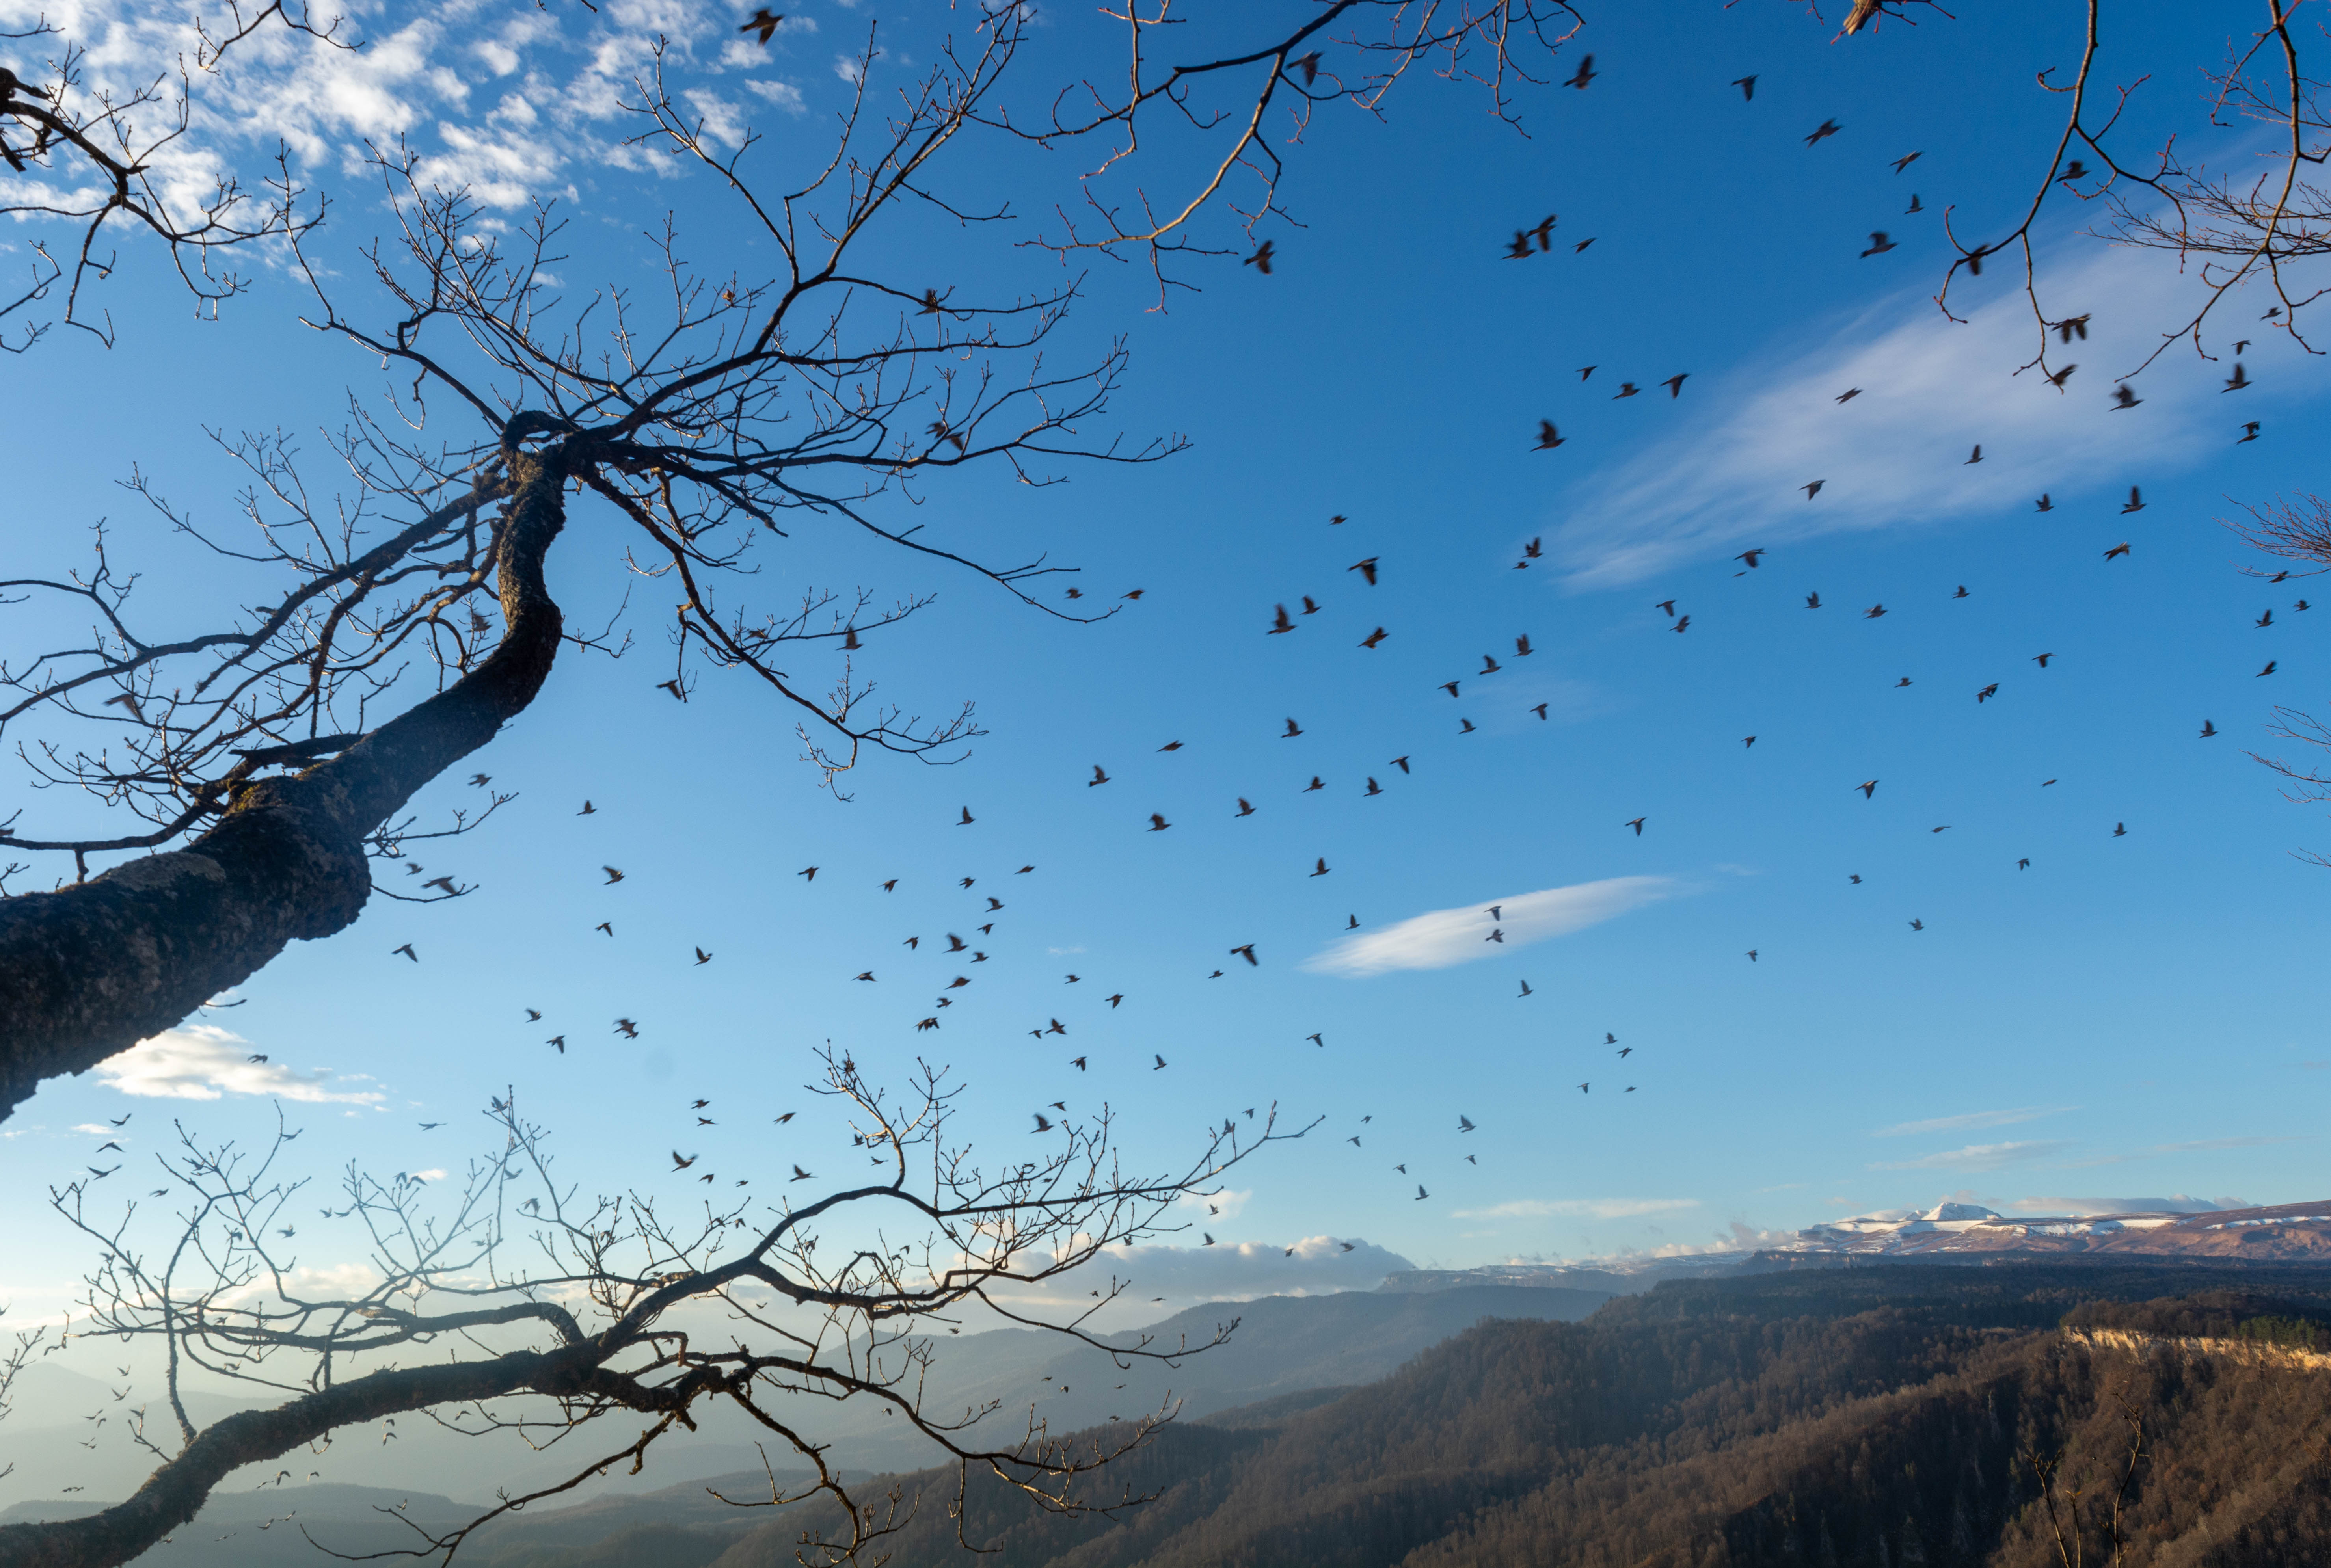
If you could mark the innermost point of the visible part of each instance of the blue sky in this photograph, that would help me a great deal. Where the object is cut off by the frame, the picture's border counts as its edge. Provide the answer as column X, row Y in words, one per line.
column 2131, row 1015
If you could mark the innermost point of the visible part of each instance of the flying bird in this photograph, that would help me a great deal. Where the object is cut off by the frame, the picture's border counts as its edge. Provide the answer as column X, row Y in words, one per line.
column 1879, row 243
column 1869, row 787
column 1751, row 556
column 963, row 820
column 2041, row 660
column 1813, row 489
column 764, row 24
column 1246, row 951
column 1158, row 825
column 1674, row 383
column 1977, row 454
column 1373, row 637
column 1748, row 86
column 1293, row 730
column 2046, row 505
column 1906, row 160
column 1585, row 74
column 627, row 1029
column 1260, row 260
column 1812, row 602
column 2252, row 428
column 1549, row 437
column 407, row 951
column 2136, row 500
column 1848, row 395
column 2208, row 729
column 2119, row 549
column 2123, row 398
column 2236, row 381
column 1366, row 569
column 1827, row 128
column 1637, row 824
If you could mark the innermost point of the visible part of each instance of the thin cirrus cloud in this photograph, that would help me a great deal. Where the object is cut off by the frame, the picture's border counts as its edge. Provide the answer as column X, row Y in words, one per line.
column 1895, row 454
column 1440, row 938
column 1592, row 1208
column 1980, row 1156
column 2191, row 1146
column 200, row 1062
column 1972, row 1119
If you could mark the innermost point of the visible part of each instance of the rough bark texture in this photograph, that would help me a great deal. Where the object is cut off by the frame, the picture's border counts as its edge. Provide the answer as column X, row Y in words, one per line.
column 91, row 970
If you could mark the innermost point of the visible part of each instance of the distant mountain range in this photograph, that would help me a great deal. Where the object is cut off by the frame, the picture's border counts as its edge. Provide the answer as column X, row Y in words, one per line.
column 2283, row 1233
column 1838, row 1415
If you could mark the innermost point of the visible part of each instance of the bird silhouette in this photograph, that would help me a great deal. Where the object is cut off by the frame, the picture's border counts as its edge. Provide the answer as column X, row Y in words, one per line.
column 1813, row 489
column 1879, row 243
column 1748, row 86
column 2136, row 500
column 1525, row 990
column 1906, row 160
column 1549, row 437
column 1373, row 637
column 764, row 24
column 1637, row 824
column 2268, row 670
column 1585, row 74
column 1246, row 951
column 2236, row 381
column 1261, row 259
column 2119, row 549
column 1812, row 602
column 2124, row 398
column 1366, row 569
column 1828, row 128
column 1293, row 730
column 1158, row 825
column 2208, row 729
column 407, row 950
column 1674, row 383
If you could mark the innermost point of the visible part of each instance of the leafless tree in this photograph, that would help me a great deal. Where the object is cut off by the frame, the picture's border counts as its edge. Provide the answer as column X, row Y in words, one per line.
column 96, row 157
column 403, row 617
column 511, row 1302
column 2067, row 1527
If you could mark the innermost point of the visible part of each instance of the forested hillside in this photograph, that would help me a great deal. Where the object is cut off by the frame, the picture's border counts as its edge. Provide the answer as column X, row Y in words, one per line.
column 1887, row 1416
column 1895, row 1415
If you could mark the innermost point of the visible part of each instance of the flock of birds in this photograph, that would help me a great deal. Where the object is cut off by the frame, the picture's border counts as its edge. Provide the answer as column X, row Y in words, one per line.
column 1531, row 240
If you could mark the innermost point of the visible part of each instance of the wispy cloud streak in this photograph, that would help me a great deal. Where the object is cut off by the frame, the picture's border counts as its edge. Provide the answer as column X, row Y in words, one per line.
column 1440, row 938
column 1895, row 454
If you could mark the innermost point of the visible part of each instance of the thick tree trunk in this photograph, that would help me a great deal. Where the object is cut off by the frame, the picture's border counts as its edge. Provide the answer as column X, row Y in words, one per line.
column 91, row 970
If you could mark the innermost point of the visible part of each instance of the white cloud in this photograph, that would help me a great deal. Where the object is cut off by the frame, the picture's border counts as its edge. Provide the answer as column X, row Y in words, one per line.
column 428, row 1175
column 1730, row 474
column 784, row 94
column 1596, row 1208
column 2177, row 1203
column 99, row 1130
column 199, row 1061
column 1441, row 937
column 1979, row 1157
column 1222, row 1205
column 1972, row 1119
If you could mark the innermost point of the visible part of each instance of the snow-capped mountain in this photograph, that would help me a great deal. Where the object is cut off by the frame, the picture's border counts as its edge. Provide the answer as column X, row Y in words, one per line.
column 2284, row 1233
